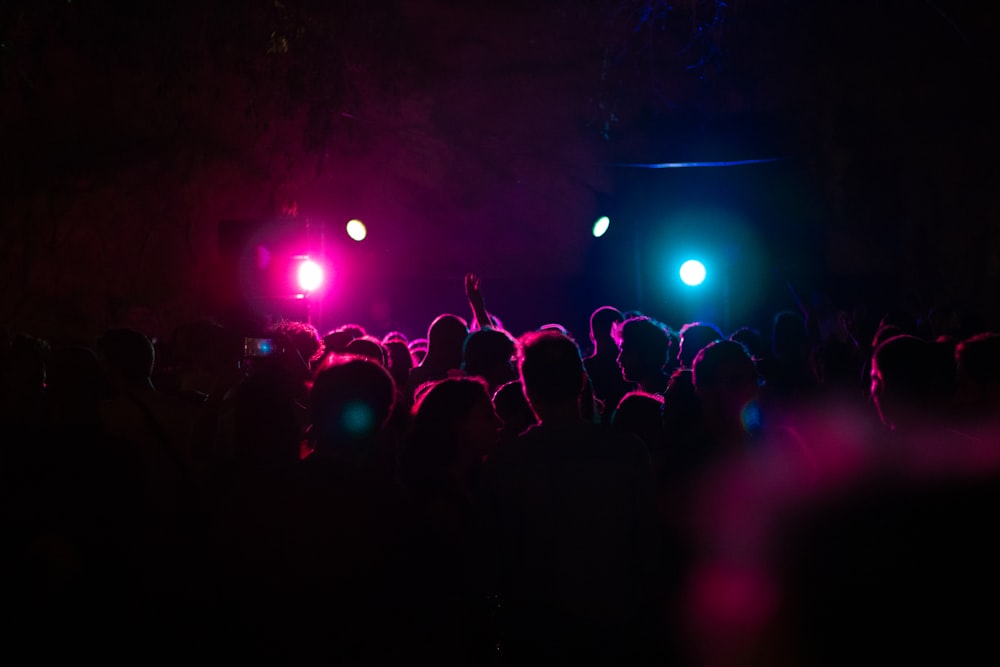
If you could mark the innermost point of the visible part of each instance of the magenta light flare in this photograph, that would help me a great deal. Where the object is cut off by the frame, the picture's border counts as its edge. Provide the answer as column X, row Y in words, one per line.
column 310, row 275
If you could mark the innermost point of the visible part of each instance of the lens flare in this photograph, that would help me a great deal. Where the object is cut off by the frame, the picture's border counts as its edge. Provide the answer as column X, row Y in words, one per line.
column 692, row 272
column 310, row 275
column 357, row 230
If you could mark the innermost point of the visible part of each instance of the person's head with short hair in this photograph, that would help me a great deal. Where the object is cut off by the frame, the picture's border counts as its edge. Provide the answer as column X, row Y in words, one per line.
column 454, row 425
column 513, row 409
column 601, row 321
column 912, row 381
column 489, row 354
column 551, row 371
column 302, row 336
column 726, row 381
column 643, row 351
column 750, row 338
column 336, row 340
column 369, row 346
column 349, row 404
column 977, row 360
column 693, row 337
column 641, row 413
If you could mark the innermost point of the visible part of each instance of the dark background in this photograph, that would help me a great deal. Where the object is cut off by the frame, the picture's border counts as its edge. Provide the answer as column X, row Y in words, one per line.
column 141, row 143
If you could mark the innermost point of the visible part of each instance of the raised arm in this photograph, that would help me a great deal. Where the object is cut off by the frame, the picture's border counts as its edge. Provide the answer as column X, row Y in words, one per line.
column 475, row 296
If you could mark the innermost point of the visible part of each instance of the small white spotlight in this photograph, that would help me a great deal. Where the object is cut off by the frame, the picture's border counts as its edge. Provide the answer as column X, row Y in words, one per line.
column 601, row 226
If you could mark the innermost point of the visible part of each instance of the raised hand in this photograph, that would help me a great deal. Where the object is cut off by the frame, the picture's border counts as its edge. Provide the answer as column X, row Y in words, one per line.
column 476, row 301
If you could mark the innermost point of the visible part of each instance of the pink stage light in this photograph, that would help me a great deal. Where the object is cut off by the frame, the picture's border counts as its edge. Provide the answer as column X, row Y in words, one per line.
column 310, row 275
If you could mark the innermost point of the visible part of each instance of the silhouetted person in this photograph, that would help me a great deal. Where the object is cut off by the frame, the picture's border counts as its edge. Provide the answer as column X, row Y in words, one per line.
column 602, row 365
column 401, row 360
column 445, row 338
column 641, row 413
column 514, row 410
column 346, row 528
column 693, row 337
column 913, row 385
column 335, row 341
column 370, row 347
column 454, row 426
column 643, row 353
column 787, row 369
column 489, row 354
column 568, row 525
column 750, row 338
column 977, row 360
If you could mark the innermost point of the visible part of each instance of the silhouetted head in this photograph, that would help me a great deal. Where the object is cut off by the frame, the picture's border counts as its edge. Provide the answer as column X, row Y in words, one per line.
column 725, row 380
column 400, row 360
column 369, row 346
column 693, row 337
column 750, row 338
column 349, row 403
column 977, row 360
column 513, row 409
column 302, row 336
column 551, row 368
column 641, row 413
column 489, row 354
column 912, row 380
column 445, row 338
column 335, row 342
column 644, row 347
column 454, row 425
column 601, row 321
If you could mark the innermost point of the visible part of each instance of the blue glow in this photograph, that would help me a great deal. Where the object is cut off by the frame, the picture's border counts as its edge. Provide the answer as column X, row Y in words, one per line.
column 358, row 419
column 685, row 165
column 750, row 416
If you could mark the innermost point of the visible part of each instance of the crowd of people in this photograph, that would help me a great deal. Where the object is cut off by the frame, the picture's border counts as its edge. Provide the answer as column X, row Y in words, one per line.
column 816, row 494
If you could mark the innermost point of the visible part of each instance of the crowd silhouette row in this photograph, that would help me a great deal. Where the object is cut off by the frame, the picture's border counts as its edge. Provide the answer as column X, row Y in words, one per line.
column 819, row 494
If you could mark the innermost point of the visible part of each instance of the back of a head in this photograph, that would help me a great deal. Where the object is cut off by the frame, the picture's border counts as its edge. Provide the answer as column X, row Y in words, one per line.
column 437, row 415
column 486, row 350
column 601, row 321
column 400, row 359
column 349, row 403
column 641, row 413
column 694, row 336
column 511, row 404
column 369, row 346
column 978, row 358
column 914, row 377
column 551, row 367
column 750, row 338
column 723, row 362
column 445, row 338
column 336, row 341
column 303, row 336
column 128, row 353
